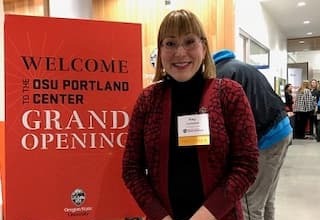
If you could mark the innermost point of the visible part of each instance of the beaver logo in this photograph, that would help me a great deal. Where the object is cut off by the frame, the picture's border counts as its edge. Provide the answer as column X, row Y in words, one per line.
column 78, row 197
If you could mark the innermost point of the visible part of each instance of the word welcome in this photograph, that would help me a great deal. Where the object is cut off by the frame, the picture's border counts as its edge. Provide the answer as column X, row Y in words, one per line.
column 76, row 64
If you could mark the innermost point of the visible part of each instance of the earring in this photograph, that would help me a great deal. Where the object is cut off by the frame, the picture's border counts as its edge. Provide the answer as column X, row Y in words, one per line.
column 164, row 73
column 203, row 67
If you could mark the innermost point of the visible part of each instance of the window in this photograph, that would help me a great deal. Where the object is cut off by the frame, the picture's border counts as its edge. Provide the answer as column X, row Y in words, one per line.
column 254, row 52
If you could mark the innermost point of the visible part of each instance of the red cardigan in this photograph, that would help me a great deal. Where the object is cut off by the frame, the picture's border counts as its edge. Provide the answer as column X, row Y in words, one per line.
column 228, row 166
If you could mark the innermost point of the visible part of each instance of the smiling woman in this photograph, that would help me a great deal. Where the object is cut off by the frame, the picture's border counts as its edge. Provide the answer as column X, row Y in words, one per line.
column 179, row 161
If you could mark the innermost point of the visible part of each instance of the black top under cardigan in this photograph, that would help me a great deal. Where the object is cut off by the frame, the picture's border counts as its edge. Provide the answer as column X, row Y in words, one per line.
column 185, row 186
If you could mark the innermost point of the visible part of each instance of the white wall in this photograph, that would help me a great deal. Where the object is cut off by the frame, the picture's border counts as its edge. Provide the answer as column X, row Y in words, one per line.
column 70, row 9
column 254, row 20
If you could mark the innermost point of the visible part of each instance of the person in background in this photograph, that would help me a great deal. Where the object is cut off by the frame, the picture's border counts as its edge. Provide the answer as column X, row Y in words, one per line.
column 273, row 130
column 191, row 150
column 304, row 107
column 318, row 116
column 314, row 87
column 289, row 104
column 288, row 98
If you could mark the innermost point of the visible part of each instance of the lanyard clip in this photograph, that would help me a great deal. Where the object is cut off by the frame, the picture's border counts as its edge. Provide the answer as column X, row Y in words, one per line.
column 203, row 109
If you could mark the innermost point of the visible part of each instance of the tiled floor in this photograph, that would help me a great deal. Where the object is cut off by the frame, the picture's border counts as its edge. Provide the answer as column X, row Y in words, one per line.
column 298, row 193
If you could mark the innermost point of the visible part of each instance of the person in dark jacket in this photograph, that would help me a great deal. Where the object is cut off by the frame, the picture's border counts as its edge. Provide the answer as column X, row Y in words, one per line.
column 191, row 150
column 289, row 104
column 288, row 97
column 273, row 130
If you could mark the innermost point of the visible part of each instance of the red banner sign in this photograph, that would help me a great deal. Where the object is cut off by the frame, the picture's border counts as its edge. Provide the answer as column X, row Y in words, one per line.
column 70, row 86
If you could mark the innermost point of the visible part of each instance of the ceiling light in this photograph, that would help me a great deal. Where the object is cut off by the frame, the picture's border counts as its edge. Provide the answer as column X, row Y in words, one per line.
column 301, row 42
column 306, row 22
column 301, row 4
column 167, row 2
column 309, row 33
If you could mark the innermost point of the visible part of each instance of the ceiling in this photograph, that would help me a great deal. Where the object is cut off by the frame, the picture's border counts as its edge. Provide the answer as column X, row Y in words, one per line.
column 290, row 19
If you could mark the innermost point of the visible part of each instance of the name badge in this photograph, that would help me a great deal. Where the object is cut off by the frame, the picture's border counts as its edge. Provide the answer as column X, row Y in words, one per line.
column 193, row 130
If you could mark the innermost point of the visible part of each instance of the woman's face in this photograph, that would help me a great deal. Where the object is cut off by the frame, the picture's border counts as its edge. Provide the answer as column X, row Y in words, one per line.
column 182, row 56
column 313, row 84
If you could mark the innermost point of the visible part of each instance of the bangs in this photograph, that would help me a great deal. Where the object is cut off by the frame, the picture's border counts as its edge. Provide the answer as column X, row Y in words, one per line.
column 178, row 24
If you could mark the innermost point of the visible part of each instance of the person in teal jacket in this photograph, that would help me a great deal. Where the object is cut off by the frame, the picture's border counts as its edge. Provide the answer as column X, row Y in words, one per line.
column 273, row 129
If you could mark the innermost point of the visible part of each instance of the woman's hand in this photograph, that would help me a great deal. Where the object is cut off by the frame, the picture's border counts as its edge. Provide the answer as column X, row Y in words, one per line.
column 203, row 214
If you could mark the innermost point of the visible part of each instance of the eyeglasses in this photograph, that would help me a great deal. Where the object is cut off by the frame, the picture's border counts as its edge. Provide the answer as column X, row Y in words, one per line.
column 171, row 44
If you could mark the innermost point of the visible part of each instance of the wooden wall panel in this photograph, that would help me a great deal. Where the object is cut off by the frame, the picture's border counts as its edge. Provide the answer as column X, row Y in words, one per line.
column 26, row 7
column 217, row 17
column 225, row 24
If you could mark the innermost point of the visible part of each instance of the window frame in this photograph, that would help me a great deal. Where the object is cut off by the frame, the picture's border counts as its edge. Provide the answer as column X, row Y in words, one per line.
column 259, row 60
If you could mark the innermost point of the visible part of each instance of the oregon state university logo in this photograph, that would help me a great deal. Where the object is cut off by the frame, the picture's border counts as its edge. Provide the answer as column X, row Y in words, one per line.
column 78, row 197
